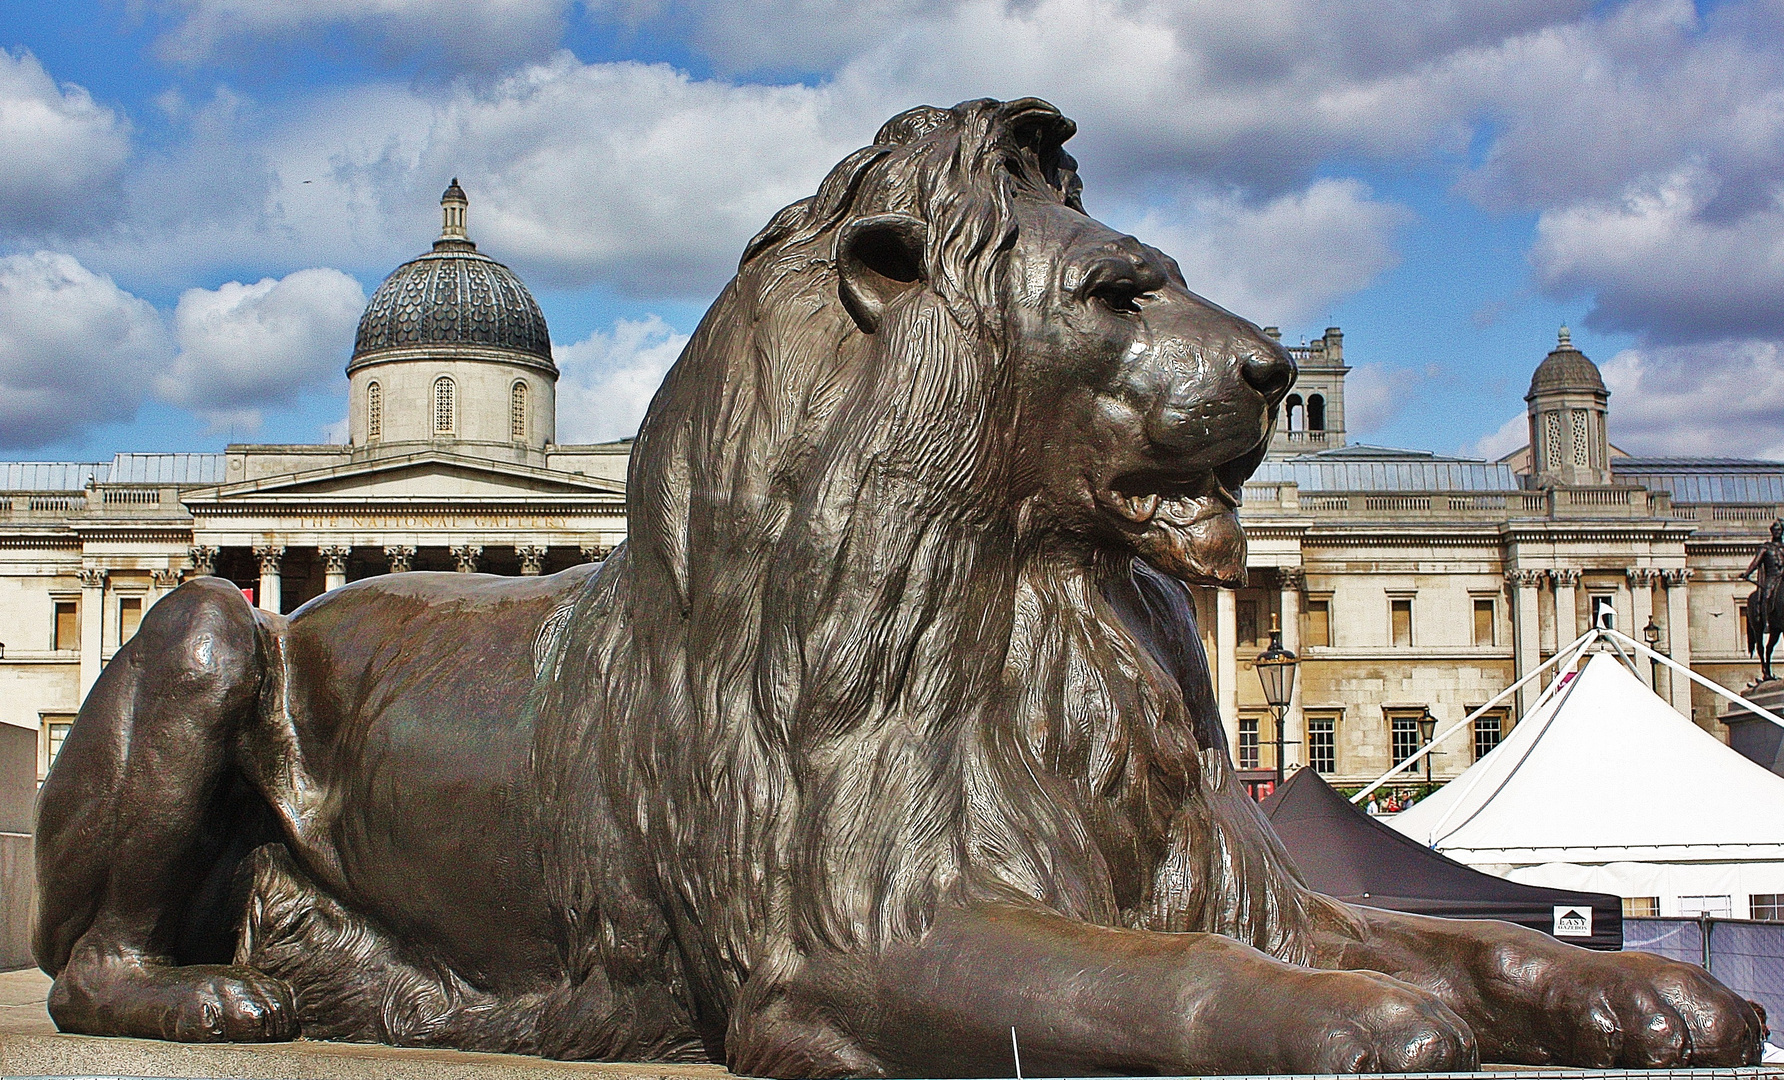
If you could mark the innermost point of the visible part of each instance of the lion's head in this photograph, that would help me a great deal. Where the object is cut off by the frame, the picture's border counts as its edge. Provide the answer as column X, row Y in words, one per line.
column 855, row 640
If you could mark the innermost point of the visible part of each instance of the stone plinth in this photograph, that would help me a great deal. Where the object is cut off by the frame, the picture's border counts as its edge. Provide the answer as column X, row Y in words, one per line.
column 1755, row 737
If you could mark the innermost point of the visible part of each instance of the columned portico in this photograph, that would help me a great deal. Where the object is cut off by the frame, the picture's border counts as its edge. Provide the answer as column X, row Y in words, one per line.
column 1292, row 580
column 92, row 617
column 334, row 558
column 1226, row 644
column 1641, row 602
column 1678, row 635
column 1526, row 631
column 270, row 593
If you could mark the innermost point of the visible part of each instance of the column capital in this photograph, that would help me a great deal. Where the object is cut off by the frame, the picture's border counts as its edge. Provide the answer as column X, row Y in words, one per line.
column 165, row 579
column 1292, row 578
column 1565, row 579
column 204, row 559
column 467, row 555
column 335, row 558
column 270, row 555
column 595, row 552
column 401, row 556
column 92, row 577
column 532, row 558
column 1525, row 579
column 1677, row 577
column 1642, row 576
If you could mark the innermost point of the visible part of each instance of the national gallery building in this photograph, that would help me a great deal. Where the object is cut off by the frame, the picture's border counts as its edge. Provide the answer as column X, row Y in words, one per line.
column 1406, row 581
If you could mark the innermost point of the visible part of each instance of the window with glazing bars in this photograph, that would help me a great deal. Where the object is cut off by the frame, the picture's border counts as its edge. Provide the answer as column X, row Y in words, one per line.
column 1248, row 742
column 517, row 412
column 374, row 411
column 444, row 405
column 1405, row 731
column 1766, row 906
column 1488, row 730
column 1322, row 743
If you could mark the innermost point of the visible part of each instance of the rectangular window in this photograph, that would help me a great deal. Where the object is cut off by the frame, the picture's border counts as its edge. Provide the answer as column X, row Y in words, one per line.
column 1766, row 906
column 1248, row 620
column 129, row 617
column 1319, row 622
column 1404, row 728
column 1322, row 743
column 55, row 730
column 1641, row 907
column 1489, row 728
column 1248, row 742
column 1716, row 907
column 1602, row 608
column 68, row 625
column 1400, row 614
column 1741, row 626
column 1483, row 621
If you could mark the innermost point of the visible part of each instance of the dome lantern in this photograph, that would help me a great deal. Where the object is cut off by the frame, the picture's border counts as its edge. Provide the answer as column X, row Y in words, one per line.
column 1568, row 404
column 452, row 214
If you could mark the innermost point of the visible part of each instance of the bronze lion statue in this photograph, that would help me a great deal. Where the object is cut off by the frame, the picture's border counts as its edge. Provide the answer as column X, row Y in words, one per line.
column 888, row 730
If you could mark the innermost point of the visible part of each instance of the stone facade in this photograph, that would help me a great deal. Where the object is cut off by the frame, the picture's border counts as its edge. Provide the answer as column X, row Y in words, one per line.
column 1405, row 580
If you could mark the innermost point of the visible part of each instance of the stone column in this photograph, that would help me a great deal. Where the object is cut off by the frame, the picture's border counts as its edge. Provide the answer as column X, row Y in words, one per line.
column 1678, row 635
column 1641, row 607
column 1226, row 662
column 204, row 560
column 595, row 552
column 334, row 566
column 161, row 582
column 270, row 556
column 466, row 555
column 1526, row 632
column 1567, row 625
column 532, row 559
column 92, row 625
column 401, row 556
column 1292, row 580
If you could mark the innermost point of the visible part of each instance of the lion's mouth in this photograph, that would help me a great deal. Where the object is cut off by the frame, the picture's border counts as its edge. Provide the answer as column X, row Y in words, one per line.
column 1186, row 526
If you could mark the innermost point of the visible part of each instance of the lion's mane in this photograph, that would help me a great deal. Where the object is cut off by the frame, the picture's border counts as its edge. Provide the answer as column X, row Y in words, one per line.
column 832, row 679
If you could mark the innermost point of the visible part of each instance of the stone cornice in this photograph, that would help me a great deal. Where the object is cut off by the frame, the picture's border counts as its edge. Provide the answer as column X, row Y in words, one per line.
column 373, row 506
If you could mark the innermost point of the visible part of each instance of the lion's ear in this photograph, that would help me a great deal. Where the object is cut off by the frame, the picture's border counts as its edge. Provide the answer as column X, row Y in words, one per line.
column 879, row 259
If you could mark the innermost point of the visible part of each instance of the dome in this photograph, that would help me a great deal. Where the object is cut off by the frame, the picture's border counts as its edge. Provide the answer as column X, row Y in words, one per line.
column 1565, row 368
column 453, row 296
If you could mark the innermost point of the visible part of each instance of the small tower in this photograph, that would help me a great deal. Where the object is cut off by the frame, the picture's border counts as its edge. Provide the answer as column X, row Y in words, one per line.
column 1567, row 403
column 452, row 213
column 1313, row 413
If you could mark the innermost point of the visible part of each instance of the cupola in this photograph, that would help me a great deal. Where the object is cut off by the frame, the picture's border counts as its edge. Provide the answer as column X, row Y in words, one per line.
column 1567, row 405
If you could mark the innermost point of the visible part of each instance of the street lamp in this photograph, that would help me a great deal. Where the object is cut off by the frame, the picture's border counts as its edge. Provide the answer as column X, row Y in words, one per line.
column 1651, row 635
column 1276, row 670
column 1427, row 730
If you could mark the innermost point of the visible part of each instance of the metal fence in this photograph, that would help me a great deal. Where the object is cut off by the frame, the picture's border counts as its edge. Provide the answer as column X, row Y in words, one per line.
column 1747, row 956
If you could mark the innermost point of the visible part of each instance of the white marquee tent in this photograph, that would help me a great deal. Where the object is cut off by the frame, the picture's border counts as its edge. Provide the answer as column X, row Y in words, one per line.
column 1606, row 788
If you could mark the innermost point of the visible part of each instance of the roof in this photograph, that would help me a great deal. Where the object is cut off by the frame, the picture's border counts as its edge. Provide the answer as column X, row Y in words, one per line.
column 453, row 295
column 1565, row 368
column 121, row 469
column 1408, row 472
column 1345, row 853
column 1707, row 480
column 1605, row 772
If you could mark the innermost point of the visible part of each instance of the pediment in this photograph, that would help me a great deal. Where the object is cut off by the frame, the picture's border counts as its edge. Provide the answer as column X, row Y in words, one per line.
column 430, row 475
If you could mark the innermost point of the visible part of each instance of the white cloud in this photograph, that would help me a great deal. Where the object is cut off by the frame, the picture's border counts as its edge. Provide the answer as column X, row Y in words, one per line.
column 60, row 151
column 1511, row 435
column 607, row 379
column 1718, row 399
column 73, row 349
column 1657, row 261
column 480, row 33
column 1374, row 394
column 244, row 347
column 1284, row 260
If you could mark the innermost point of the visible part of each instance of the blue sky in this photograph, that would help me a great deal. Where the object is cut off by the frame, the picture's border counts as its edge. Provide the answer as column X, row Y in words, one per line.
column 196, row 196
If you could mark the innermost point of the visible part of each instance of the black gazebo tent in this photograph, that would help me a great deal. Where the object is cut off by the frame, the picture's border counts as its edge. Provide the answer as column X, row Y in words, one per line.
column 1345, row 853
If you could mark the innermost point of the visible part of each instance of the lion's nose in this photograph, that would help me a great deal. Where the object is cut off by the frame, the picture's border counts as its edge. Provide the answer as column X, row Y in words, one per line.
column 1268, row 371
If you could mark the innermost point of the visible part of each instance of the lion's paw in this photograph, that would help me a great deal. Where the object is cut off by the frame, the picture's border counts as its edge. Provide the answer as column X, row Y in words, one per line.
column 199, row 1003
column 1636, row 1010
column 1361, row 1021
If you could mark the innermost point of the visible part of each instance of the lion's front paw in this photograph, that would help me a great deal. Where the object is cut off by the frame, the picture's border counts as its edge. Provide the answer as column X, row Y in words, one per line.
column 1636, row 1010
column 1361, row 1021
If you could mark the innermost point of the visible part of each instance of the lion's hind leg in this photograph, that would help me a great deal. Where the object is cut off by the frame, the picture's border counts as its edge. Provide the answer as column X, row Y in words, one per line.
column 353, row 983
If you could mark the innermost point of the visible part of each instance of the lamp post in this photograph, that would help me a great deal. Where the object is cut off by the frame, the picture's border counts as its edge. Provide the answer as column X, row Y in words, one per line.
column 1651, row 635
column 1276, row 670
column 1427, row 729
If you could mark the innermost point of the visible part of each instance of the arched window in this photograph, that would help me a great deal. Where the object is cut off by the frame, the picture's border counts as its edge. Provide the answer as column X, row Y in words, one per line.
column 517, row 412
column 374, row 412
column 445, row 405
column 1292, row 413
column 1316, row 412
